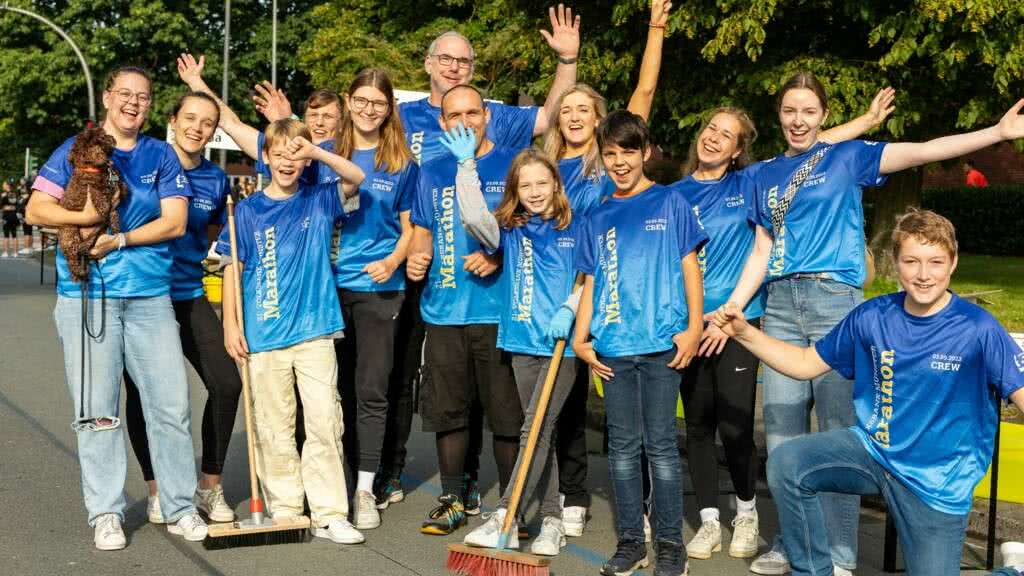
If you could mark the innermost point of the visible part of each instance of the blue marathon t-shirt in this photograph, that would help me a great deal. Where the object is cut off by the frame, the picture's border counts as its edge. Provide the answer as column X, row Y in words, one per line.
column 371, row 233
column 824, row 228
column 924, row 391
column 210, row 190
column 584, row 192
column 634, row 247
column 723, row 208
column 453, row 296
column 314, row 173
column 287, row 280
column 537, row 279
column 152, row 172
column 509, row 127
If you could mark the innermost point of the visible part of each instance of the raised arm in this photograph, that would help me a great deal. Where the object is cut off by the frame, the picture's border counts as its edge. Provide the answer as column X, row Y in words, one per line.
column 564, row 39
column 247, row 137
column 271, row 102
column 351, row 175
column 881, row 108
column 902, row 155
column 793, row 361
column 650, row 66
column 473, row 210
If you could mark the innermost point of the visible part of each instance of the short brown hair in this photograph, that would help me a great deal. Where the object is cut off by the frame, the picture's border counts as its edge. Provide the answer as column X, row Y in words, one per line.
column 511, row 212
column 284, row 129
column 926, row 226
column 322, row 97
column 804, row 80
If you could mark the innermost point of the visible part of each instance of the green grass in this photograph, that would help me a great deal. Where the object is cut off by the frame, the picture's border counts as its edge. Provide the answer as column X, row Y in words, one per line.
column 979, row 274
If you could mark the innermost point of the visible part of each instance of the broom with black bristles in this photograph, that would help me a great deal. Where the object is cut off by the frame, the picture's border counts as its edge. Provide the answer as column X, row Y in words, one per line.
column 466, row 560
column 258, row 530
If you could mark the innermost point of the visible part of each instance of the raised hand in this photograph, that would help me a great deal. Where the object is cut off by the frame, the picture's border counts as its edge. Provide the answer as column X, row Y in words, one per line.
column 271, row 102
column 191, row 71
column 881, row 105
column 564, row 37
column 659, row 13
column 301, row 149
column 1011, row 126
column 460, row 141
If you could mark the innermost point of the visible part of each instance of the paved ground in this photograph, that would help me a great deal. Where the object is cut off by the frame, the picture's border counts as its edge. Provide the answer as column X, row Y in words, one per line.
column 42, row 518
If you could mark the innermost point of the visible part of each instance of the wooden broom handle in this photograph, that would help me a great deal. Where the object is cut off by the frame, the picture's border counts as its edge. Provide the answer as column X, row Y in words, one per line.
column 236, row 282
column 526, row 457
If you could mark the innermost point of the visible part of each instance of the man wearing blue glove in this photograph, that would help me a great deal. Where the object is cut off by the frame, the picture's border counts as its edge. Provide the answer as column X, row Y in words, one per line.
column 461, row 306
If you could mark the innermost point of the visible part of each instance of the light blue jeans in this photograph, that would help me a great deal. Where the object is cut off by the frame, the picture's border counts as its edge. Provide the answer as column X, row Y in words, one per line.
column 801, row 310
column 838, row 462
column 140, row 335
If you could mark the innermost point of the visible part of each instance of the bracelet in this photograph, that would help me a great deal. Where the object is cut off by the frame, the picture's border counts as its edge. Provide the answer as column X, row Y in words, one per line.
column 122, row 241
column 658, row 26
column 564, row 60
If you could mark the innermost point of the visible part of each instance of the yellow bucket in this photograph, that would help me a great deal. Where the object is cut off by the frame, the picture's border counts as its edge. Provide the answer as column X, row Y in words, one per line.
column 599, row 386
column 1011, row 465
column 212, row 285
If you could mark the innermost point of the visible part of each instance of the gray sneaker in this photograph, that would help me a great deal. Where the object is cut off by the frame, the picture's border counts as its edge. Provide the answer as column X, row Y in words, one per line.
column 771, row 563
column 212, row 503
column 364, row 511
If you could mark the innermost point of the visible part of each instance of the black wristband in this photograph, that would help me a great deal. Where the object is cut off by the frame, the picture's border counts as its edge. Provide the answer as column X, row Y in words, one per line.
column 567, row 60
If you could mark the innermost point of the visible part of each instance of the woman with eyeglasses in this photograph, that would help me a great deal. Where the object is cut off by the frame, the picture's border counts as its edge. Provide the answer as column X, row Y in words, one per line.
column 124, row 318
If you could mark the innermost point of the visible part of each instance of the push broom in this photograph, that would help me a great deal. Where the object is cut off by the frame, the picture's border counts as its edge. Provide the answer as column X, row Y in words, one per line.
column 466, row 560
column 258, row 530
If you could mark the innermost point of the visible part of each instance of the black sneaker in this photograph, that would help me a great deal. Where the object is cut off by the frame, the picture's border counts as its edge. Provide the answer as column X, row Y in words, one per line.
column 671, row 559
column 629, row 556
column 389, row 492
column 471, row 495
column 446, row 518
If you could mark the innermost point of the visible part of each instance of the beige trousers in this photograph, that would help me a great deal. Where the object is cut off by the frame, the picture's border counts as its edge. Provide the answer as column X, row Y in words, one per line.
column 318, row 475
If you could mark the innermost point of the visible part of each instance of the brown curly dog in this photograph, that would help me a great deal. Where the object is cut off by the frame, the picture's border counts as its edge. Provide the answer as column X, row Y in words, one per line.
column 94, row 177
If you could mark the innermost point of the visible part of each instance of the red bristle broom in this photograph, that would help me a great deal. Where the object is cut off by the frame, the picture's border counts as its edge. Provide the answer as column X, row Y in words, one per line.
column 466, row 560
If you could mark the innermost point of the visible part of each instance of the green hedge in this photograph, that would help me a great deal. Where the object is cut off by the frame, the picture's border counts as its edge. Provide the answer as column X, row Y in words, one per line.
column 988, row 220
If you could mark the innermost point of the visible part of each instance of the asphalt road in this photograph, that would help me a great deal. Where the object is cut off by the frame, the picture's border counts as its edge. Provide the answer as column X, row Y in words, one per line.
column 43, row 521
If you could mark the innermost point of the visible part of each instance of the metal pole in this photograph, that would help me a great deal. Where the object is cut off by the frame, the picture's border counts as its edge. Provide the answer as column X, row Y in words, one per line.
column 28, row 155
column 273, row 47
column 224, row 79
column 81, row 58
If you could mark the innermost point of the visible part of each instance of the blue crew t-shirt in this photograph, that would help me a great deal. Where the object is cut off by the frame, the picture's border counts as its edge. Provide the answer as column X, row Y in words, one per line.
column 210, row 190
column 287, row 280
column 723, row 208
column 152, row 172
column 634, row 247
column 584, row 191
column 371, row 233
column 453, row 296
column 509, row 127
column 537, row 279
column 924, row 391
column 824, row 228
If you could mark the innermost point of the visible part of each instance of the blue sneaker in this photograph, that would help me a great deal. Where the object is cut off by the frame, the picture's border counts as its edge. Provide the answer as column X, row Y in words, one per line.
column 446, row 518
column 389, row 492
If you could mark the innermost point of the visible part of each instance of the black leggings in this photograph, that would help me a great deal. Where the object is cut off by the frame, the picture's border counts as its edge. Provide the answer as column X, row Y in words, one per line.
column 571, row 440
column 202, row 341
column 718, row 394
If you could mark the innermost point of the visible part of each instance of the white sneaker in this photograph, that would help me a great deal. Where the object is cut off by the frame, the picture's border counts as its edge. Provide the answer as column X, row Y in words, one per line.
column 191, row 526
column 574, row 519
column 486, row 535
column 840, row 571
column 708, row 539
column 212, row 503
column 25, row 252
column 771, row 563
column 364, row 511
column 744, row 536
column 1013, row 554
column 5, row 255
column 551, row 538
column 341, row 532
column 108, row 534
column 153, row 510
column 647, row 528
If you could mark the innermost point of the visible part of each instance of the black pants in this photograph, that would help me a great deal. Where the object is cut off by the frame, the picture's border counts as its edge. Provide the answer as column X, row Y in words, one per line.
column 571, row 441
column 365, row 361
column 718, row 395
column 202, row 341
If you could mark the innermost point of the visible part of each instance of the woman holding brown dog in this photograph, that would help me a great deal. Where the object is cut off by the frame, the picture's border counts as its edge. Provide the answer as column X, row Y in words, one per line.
column 121, row 317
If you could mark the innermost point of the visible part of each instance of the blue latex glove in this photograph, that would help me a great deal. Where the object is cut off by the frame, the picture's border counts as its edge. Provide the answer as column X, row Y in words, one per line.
column 461, row 142
column 561, row 324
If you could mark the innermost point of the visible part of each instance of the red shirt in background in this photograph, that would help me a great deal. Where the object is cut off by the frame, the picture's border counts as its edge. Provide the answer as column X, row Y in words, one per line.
column 975, row 179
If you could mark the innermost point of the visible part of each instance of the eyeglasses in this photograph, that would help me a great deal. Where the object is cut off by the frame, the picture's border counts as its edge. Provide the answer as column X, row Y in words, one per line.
column 313, row 117
column 359, row 103
column 447, row 59
column 125, row 95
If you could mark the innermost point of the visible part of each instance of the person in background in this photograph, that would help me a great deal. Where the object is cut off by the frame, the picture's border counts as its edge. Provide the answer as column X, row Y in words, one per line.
column 973, row 177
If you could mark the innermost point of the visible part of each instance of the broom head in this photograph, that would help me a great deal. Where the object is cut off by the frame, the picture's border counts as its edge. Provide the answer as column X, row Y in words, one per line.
column 286, row 530
column 469, row 561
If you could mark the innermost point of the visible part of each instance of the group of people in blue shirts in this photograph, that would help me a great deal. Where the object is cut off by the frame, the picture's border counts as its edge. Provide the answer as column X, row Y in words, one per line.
column 389, row 229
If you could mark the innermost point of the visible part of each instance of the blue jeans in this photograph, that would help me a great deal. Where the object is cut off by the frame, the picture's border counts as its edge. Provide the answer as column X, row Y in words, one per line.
column 801, row 310
column 140, row 335
column 640, row 406
column 838, row 462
